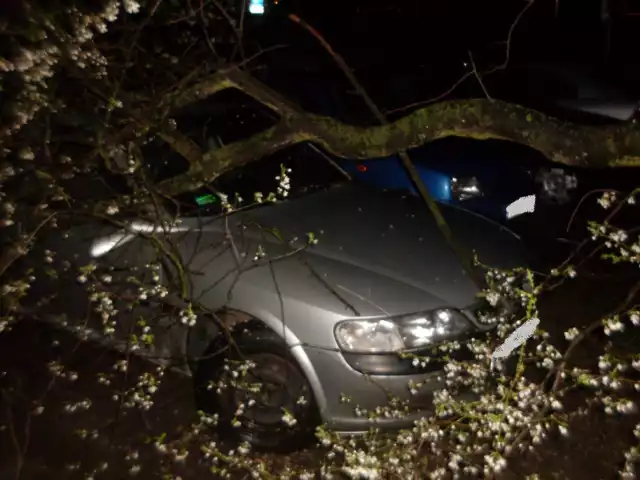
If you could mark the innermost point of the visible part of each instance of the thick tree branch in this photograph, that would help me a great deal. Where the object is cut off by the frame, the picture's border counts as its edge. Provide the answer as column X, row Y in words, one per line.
column 184, row 146
column 561, row 142
column 235, row 78
column 231, row 156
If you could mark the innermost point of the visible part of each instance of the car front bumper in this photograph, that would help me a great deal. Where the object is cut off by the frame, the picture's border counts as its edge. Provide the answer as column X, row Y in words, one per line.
column 347, row 398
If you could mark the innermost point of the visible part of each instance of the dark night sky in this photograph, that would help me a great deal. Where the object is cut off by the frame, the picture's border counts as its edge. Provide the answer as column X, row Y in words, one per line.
column 381, row 39
column 424, row 29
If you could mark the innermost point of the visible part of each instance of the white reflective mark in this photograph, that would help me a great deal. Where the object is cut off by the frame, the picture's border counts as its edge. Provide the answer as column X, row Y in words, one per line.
column 517, row 338
column 104, row 245
column 522, row 205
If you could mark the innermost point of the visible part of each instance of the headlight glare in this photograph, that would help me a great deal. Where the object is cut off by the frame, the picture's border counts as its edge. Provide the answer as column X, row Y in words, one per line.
column 401, row 333
column 433, row 328
column 465, row 188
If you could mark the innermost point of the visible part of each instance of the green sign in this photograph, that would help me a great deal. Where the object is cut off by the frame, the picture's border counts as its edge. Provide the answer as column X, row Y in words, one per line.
column 206, row 199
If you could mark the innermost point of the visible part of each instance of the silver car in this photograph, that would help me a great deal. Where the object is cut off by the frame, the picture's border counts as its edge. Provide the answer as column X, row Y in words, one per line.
column 318, row 323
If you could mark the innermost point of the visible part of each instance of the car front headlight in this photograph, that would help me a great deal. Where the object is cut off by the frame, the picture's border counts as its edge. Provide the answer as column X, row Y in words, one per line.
column 401, row 333
column 465, row 188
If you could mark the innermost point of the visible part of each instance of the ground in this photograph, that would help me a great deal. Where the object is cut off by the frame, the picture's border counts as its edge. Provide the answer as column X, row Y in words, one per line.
column 47, row 444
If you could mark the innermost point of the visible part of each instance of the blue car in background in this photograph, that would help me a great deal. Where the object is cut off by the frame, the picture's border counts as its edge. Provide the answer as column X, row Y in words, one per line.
column 499, row 180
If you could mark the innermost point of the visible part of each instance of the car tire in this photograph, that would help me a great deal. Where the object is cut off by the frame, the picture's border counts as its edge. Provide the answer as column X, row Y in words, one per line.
column 284, row 387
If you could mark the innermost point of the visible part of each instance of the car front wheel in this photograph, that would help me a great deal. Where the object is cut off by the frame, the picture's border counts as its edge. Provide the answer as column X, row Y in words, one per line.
column 257, row 389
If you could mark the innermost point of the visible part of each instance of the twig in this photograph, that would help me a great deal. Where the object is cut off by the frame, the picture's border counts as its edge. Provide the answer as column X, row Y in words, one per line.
column 331, row 161
column 19, row 248
column 582, row 200
column 502, row 66
column 635, row 290
column 478, row 77
column 590, row 329
column 20, row 449
column 584, row 242
column 204, row 27
column 234, row 249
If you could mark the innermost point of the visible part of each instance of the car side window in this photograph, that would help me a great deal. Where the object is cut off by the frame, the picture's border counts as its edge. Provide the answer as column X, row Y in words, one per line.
column 307, row 166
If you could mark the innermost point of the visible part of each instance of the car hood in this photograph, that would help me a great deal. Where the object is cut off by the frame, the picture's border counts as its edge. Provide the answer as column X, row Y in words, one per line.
column 393, row 236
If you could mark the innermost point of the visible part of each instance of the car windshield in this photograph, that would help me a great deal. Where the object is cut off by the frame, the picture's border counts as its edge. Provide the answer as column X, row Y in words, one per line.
column 307, row 167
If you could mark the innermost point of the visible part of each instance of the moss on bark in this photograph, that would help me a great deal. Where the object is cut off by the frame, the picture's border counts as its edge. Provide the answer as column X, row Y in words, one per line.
column 561, row 142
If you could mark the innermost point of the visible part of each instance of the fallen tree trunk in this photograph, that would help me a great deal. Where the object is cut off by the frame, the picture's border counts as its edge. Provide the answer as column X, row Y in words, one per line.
column 561, row 142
